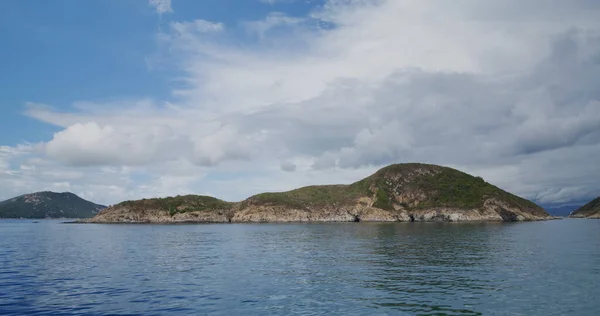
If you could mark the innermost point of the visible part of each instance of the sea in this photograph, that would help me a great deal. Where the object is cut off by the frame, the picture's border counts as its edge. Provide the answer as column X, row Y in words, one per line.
column 532, row 268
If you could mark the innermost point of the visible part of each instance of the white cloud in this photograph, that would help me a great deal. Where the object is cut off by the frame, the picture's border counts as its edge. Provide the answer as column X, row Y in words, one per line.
column 508, row 94
column 92, row 144
column 226, row 143
column 161, row 6
column 275, row 20
column 193, row 28
column 23, row 171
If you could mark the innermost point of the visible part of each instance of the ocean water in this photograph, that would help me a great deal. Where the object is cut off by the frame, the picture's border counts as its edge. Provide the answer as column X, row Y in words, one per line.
column 539, row 268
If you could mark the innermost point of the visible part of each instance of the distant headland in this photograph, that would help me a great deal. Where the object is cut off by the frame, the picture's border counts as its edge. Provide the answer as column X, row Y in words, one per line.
column 48, row 205
column 590, row 210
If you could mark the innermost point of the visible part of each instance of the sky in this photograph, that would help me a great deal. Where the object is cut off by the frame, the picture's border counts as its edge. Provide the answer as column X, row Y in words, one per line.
column 115, row 100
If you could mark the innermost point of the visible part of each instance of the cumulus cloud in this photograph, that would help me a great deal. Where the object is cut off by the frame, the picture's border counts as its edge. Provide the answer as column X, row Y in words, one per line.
column 23, row 170
column 6, row 153
column 92, row 144
column 223, row 144
column 504, row 93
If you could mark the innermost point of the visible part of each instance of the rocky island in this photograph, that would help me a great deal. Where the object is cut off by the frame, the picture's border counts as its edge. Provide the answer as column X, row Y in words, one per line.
column 590, row 210
column 401, row 192
column 48, row 205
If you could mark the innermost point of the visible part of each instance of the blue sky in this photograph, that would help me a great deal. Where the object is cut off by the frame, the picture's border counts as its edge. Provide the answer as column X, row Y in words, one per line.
column 64, row 51
column 48, row 49
column 118, row 100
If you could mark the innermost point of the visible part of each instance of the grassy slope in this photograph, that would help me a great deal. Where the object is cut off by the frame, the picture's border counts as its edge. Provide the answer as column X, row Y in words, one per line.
column 186, row 203
column 452, row 188
column 591, row 208
column 313, row 196
column 53, row 205
column 446, row 187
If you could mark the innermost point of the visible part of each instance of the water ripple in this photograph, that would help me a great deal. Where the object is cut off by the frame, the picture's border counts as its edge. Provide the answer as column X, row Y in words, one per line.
column 548, row 268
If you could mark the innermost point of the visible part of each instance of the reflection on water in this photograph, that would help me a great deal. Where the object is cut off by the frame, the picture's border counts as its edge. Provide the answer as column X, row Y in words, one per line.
column 546, row 268
column 408, row 257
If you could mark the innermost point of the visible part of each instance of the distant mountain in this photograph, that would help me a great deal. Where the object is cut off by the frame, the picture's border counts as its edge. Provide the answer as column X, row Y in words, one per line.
column 590, row 210
column 48, row 205
column 561, row 210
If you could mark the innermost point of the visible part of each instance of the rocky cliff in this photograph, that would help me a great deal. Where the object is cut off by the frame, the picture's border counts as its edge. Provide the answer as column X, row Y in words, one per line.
column 590, row 210
column 401, row 192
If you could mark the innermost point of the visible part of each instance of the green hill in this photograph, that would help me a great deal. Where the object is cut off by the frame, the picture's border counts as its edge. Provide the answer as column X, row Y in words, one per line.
column 401, row 192
column 48, row 205
column 411, row 185
column 590, row 210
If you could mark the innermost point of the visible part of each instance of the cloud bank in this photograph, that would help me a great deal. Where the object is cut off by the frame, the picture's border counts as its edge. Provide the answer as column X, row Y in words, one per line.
column 503, row 89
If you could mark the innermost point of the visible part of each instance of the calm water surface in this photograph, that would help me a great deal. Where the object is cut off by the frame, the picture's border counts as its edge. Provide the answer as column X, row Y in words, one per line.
column 542, row 268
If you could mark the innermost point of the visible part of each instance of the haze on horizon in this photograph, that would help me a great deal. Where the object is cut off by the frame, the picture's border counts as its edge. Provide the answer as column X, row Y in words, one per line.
column 116, row 100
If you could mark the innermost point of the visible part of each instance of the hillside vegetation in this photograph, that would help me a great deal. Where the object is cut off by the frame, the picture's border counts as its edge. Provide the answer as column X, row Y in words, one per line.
column 400, row 192
column 411, row 186
column 179, row 204
column 590, row 210
column 48, row 205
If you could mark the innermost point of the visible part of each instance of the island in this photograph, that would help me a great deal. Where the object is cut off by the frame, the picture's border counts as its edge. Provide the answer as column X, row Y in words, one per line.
column 410, row 192
column 590, row 210
column 48, row 205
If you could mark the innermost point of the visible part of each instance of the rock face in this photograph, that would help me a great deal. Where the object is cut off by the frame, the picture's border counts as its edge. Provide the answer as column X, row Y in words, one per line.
column 48, row 205
column 402, row 192
column 590, row 210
